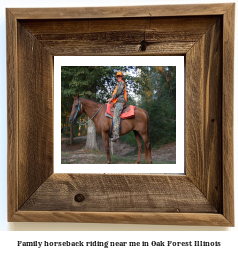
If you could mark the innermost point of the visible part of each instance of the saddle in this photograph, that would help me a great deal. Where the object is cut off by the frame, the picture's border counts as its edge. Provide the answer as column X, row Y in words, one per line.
column 127, row 112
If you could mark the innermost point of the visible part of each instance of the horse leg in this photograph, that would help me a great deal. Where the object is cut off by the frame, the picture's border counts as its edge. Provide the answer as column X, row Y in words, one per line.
column 106, row 144
column 139, row 143
column 147, row 147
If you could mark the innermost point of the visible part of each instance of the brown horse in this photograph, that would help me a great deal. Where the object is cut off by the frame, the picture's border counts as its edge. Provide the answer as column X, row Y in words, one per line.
column 139, row 124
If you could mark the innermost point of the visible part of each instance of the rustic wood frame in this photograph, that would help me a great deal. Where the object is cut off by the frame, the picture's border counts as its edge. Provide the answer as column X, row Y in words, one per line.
column 204, row 34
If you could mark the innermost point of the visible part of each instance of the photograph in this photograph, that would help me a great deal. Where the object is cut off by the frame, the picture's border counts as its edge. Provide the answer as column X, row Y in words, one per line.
column 119, row 114
column 108, row 111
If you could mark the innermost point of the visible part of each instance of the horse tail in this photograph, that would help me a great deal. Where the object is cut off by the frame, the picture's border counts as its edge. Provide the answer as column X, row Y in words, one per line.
column 147, row 144
column 148, row 123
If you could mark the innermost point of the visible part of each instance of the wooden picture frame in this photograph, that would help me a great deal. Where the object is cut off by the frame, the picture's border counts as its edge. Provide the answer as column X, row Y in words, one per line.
column 204, row 34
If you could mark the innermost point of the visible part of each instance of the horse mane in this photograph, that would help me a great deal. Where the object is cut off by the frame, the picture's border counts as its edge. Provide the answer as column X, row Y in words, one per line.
column 91, row 101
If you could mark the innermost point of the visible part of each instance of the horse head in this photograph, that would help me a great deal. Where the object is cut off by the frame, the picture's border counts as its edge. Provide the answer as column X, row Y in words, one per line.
column 77, row 109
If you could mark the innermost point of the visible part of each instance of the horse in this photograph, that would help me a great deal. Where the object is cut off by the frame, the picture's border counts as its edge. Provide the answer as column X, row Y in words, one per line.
column 139, row 124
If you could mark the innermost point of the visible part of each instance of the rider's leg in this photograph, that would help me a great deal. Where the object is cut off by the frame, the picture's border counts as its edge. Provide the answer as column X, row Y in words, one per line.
column 117, row 120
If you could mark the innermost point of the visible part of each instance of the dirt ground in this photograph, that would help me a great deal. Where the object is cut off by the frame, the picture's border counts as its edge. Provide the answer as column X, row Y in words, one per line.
column 122, row 151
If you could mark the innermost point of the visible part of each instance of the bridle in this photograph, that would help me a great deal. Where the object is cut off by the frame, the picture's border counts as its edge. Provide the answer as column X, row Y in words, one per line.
column 80, row 107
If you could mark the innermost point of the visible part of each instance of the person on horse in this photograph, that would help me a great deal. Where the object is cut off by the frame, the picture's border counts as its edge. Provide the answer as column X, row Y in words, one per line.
column 119, row 98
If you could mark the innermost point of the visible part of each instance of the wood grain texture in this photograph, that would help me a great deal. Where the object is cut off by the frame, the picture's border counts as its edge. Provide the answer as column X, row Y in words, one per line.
column 35, row 114
column 197, row 219
column 227, row 113
column 121, row 12
column 204, row 196
column 49, row 29
column 71, row 48
column 119, row 37
column 12, row 114
column 203, row 114
column 104, row 193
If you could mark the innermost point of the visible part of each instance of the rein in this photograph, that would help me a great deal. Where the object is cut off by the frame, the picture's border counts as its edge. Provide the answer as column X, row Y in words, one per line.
column 80, row 105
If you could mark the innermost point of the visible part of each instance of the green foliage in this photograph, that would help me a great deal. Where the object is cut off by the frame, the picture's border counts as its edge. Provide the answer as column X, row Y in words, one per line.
column 66, row 135
column 154, row 86
column 157, row 95
column 129, row 138
column 94, row 82
column 160, row 103
column 162, row 122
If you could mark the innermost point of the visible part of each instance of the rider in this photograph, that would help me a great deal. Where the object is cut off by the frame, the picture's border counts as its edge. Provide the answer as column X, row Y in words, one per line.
column 119, row 98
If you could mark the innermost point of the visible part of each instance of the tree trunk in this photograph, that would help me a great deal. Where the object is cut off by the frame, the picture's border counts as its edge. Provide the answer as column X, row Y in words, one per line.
column 71, row 133
column 67, row 119
column 91, row 136
column 168, row 79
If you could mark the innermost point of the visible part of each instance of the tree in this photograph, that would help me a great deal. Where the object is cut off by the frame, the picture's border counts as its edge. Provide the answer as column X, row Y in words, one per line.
column 93, row 82
column 158, row 97
column 91, row 136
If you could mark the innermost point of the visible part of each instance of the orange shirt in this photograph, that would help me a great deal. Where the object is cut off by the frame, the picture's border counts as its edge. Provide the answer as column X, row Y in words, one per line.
column 115, row 91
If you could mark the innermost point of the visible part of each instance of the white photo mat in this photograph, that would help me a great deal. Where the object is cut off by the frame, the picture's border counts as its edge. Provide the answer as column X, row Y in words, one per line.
column 177, row 61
